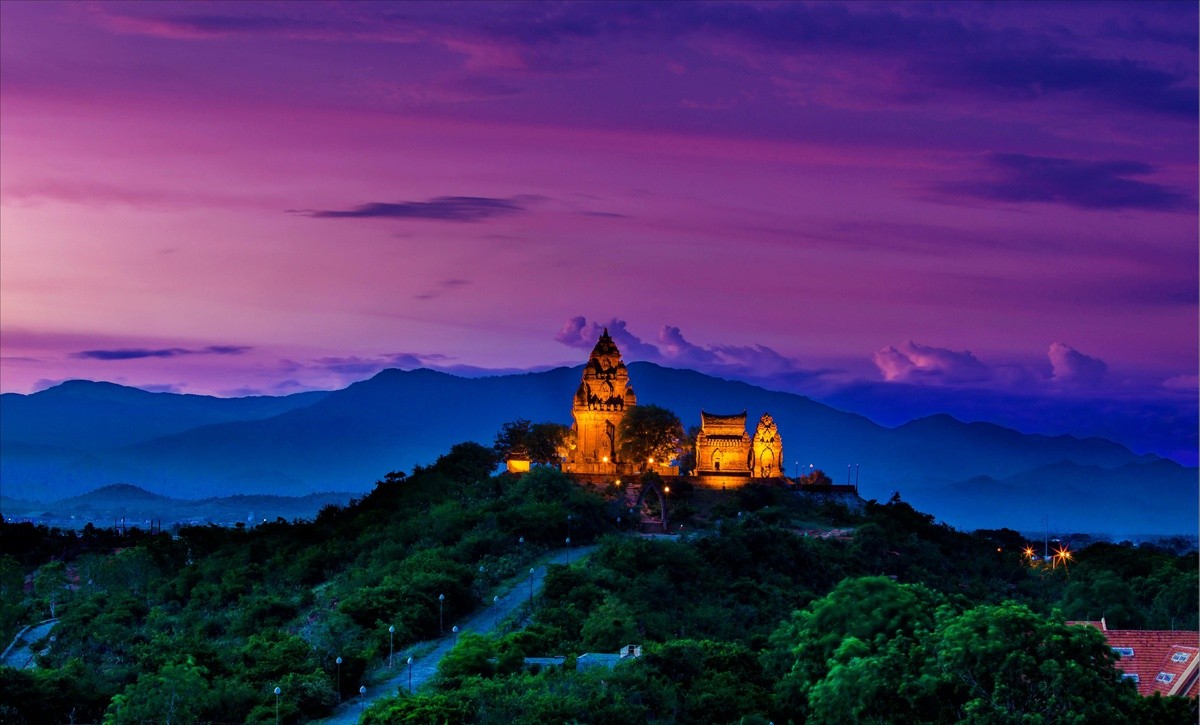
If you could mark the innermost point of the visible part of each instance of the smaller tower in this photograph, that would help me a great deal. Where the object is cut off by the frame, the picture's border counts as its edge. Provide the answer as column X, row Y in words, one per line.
column 768, row 449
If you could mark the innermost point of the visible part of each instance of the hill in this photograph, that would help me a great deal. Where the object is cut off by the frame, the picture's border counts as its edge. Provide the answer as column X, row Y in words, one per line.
column 346, row 439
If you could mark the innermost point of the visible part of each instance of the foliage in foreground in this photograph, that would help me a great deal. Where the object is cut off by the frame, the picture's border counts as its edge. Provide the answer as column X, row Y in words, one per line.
column 750, row 621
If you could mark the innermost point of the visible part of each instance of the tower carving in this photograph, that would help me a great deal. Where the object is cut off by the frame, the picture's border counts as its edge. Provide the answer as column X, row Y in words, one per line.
column 768, row 449
column 603, row 395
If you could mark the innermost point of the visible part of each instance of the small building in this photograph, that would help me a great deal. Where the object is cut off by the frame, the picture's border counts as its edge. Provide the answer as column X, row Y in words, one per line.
column 592, row 660
column 517, row 462
column 725, row 452
column 1157, row 660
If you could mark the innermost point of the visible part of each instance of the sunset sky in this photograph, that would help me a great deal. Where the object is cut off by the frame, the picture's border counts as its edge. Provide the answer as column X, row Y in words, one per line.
column 899, row 208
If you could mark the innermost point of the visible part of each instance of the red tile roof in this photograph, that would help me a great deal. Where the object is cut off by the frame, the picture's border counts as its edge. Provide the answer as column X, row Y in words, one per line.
column 1162, row 660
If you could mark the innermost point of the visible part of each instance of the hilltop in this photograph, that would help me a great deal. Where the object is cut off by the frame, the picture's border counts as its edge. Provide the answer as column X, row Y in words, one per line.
column 64, row 440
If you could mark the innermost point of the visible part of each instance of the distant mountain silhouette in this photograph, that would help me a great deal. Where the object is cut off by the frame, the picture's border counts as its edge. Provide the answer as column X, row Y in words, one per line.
column 135, row 506
column 1142, row 497
column 80, row 435
column 89, row 415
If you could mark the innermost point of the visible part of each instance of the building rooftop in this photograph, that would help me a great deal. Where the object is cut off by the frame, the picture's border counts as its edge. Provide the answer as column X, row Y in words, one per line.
column 1157, row 660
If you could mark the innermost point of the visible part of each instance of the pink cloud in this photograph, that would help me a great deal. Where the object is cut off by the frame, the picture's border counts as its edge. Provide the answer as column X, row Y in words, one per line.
column 1073, row 367
column 912, row 361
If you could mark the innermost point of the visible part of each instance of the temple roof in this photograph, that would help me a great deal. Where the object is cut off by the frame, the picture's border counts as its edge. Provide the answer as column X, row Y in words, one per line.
column 718, row 419
column 605, row 346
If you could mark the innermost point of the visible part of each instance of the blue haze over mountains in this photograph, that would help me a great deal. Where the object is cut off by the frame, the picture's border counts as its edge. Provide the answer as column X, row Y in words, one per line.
column 81, row 435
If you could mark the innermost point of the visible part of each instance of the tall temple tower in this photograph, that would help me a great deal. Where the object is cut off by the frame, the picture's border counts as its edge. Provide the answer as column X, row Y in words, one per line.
column 600, row 402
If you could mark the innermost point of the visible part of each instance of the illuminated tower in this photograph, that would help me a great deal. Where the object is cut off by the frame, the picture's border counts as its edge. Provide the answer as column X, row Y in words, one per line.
column 599, row 404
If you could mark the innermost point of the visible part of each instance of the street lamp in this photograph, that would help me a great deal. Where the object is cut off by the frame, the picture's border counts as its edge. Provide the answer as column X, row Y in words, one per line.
column 277, row 693
column 568, row 542
column 339, row 664
column 441, row 619
column 569, row 517
column 531, row 586
column 362, row 698
column 410, row 661
column 618, row 523
column 391, row 642
column 454, row 629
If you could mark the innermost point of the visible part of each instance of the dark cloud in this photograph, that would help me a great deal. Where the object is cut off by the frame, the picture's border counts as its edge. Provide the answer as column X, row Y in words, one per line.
column 221, row 25
column 134, row 353
column 936, row 49
column 1083, row 184
column 943, row 48
column 1122, row 81
column 1136, row 28
column 442, row 208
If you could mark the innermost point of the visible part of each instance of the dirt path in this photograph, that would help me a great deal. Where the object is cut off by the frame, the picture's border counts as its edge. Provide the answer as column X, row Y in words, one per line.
column 425, row 666
column 20, row 654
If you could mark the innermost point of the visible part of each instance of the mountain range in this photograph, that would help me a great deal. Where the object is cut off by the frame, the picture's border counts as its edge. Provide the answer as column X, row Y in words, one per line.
column 80, row 435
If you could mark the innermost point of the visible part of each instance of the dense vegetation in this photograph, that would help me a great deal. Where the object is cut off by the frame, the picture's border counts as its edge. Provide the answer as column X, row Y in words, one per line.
column 746, row 619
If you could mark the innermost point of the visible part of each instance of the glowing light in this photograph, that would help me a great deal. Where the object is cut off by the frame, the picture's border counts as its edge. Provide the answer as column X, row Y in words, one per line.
column 605, row 459
column 666, row 489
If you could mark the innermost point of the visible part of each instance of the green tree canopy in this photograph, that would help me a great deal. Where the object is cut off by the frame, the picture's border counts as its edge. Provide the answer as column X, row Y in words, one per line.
column 544, row 443
column 648, row 431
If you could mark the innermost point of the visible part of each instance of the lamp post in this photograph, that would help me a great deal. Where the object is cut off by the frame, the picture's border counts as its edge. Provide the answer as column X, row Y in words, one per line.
column 454, row 629
column 410, row 661
column 391, row 643
column 569, row 517
column 531, row 586
column 339, row 668
column 618, row 523
column 441, row 618
column 362, row 698
column 277, row 693
column 797, row 469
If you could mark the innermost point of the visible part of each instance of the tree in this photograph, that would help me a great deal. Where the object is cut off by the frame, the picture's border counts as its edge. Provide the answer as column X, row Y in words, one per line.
column 544, row 443
column 547, row 442
column 512, row 438
column 176, row 693
column 1011, row 665
column 648, row 431
column 816, row 477
column 687, row 459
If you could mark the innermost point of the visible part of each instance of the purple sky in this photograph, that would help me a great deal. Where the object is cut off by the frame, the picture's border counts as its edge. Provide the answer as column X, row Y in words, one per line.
column 988, row 208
